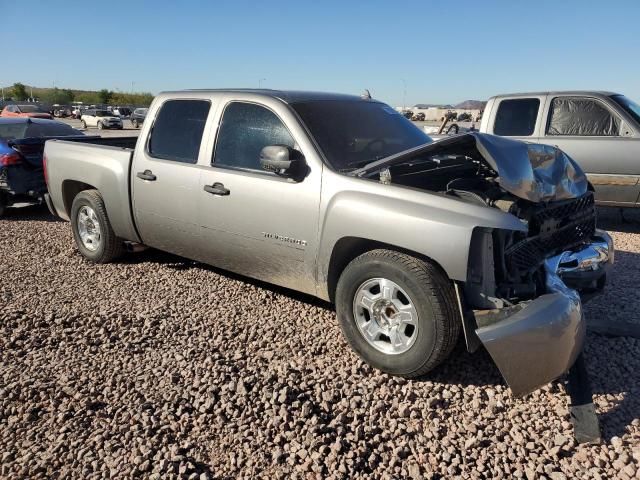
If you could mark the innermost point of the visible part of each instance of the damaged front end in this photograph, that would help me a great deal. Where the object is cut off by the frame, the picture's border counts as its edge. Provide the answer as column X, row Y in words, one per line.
column 524, row 290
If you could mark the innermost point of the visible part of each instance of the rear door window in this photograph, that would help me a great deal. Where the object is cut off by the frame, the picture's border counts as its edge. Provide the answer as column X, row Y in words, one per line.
column 177, row 131
column 517, row 117
column 576, row 116
column 245, row 130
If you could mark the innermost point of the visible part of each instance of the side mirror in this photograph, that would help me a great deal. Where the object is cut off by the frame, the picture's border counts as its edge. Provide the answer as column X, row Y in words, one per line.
column 283, row 160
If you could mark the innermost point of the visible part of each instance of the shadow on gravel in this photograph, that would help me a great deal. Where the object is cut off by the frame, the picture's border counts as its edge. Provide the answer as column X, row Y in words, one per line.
column 38, row 213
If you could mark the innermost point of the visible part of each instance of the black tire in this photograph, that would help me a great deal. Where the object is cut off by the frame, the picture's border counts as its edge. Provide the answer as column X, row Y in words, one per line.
column 453, row 129
column 134, row 123
column 3, row 204
column 110, row 246
column 84, row 124
column 431, row 292
column 100, row 126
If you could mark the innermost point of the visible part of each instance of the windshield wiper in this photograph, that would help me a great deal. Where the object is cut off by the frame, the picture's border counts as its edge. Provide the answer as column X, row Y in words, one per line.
column 351, row 166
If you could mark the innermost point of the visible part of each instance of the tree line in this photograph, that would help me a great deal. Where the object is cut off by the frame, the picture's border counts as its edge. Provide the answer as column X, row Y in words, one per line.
column 65, row 96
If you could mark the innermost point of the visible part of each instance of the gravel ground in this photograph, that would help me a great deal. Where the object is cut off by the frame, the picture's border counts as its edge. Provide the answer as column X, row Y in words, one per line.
column 158, row 367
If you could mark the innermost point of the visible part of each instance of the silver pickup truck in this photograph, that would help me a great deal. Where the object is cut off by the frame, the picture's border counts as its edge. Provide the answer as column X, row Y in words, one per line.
column 341, row 197
column 599, row 130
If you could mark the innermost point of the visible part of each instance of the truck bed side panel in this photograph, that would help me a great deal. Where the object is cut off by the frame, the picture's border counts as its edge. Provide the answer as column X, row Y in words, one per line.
column 105, row 168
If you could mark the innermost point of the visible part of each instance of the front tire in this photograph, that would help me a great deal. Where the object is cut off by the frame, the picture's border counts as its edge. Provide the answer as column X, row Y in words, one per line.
column 84, row 124
column 100, row 126
column 397, row 312
column 92, row 230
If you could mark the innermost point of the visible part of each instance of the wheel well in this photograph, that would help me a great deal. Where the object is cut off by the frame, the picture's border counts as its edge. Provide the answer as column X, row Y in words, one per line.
column 70, row 189
column 348, row 248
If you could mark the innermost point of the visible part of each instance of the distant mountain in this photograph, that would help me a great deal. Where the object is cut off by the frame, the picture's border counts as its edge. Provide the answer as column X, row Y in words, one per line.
column 471, row 105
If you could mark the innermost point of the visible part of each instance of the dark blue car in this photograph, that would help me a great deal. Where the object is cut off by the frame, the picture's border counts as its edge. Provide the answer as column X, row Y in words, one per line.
column 21, row 146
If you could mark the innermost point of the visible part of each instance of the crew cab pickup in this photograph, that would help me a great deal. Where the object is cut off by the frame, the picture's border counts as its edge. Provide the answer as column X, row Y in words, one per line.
column 343, row 198
column 599, row 130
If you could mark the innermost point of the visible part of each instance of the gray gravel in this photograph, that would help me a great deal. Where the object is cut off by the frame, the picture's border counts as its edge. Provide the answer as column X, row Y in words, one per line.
column 158, row 367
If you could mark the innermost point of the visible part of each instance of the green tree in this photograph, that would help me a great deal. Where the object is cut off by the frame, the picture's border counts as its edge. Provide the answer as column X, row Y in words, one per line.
column 19, row 91
column 56, row 95
column 105, row 95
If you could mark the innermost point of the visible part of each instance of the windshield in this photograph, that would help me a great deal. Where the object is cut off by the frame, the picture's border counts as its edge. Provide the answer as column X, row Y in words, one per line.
column 631, row 107
column 352, row 133
column 103, row 113
column 12, row 131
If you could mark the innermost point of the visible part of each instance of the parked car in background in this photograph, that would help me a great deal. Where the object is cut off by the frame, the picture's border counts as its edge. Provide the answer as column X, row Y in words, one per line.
column 599, row 130
column 61, row 111
column 418, row 117
column 123, row 112
column 138, row 116
column 100, row 119
column 407, row 114
column 21, row 146
column 32, row 111
column 300, row 189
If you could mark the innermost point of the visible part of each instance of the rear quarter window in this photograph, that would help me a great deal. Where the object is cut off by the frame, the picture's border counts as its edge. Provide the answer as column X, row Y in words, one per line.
column 516, row 117
column 177, row 130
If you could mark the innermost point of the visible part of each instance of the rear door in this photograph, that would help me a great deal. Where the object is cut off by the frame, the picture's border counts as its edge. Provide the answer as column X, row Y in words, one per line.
column 517, row 117
column 591, row 132
column 165, row 176
column 261, row 225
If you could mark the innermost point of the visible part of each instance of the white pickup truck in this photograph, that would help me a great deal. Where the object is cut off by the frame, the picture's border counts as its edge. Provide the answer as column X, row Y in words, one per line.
column 599, row 130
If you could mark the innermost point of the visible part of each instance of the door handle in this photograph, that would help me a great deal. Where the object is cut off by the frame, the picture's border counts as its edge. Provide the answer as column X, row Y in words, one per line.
column 217, row 189
column 146, row 175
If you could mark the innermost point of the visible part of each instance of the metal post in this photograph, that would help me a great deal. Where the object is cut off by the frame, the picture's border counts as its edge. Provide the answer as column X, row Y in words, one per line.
column 586, row 427
column 260, row 82
column 404, row 94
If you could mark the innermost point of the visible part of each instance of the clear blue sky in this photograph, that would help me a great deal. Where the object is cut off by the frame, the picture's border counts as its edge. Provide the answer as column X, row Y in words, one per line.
column 446, row 51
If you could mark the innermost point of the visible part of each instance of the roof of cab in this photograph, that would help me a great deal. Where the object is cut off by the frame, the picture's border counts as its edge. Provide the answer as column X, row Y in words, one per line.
column 601, row 93
column 287, row 96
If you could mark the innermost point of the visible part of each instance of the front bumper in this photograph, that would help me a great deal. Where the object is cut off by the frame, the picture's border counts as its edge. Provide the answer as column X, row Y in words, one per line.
column 536, row 341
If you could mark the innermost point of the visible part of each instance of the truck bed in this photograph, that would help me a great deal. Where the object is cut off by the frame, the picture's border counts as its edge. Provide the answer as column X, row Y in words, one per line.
column 95, row 163
column 121, row 142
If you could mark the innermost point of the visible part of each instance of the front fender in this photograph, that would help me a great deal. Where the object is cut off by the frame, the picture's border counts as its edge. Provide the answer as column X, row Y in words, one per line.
column 432, row 225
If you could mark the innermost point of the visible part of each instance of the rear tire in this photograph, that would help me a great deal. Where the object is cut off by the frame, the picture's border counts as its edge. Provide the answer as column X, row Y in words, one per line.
column 3, row 204
column 100, row 126
column 84, row 124
column 92, row 230
column 421, row 291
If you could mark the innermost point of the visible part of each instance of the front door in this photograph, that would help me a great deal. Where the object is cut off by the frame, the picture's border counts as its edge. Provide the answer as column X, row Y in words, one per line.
column 255, row 222
column 166, row 178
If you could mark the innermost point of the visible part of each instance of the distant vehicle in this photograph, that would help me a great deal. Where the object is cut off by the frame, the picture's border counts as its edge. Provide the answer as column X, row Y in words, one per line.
column 464, row 117
column 599, row 130
column 61, row 111
column 21, row 146
column 32, row 111
column 101, row 119
column 418, row 117
column 407, row 114
column 138, row 116
column 122, row 111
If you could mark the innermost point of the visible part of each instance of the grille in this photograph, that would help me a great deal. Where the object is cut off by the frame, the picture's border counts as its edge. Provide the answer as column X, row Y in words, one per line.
column 553, row 229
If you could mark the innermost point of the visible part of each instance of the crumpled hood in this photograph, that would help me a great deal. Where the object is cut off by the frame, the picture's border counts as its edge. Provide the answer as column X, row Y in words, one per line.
column 535, row 172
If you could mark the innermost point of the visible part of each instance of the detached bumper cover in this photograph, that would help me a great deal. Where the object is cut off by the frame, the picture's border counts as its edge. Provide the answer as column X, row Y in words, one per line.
column 535, row 342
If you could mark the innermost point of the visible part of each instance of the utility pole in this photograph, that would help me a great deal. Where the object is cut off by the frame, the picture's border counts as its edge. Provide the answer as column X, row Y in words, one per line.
column 132, row 84
column 260, row 82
